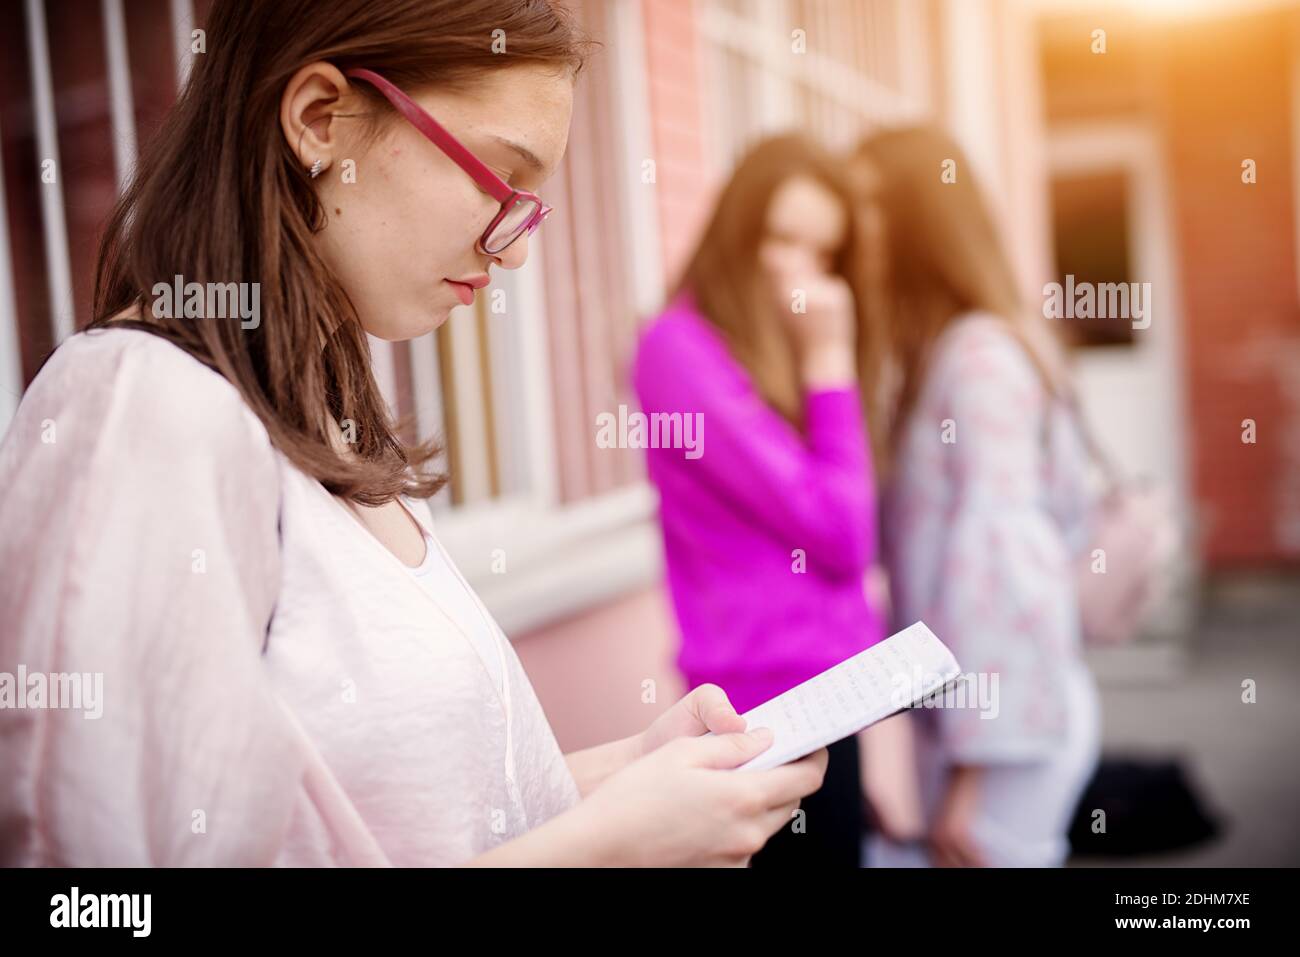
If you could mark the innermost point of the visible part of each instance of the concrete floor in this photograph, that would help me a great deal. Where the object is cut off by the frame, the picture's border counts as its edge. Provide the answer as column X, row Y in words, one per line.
column 1244, row 759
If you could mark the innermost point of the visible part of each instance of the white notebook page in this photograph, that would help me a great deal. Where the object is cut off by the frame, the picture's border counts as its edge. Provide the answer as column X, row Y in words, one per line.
column 891, row 675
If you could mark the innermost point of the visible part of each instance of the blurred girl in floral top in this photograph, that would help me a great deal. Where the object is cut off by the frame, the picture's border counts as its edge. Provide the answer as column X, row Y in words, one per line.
column 984, row 510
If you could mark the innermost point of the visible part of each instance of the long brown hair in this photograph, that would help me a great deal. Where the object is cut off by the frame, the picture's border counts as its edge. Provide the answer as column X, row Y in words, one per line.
column 942, row 257
column 725, row 277
column 219, row 196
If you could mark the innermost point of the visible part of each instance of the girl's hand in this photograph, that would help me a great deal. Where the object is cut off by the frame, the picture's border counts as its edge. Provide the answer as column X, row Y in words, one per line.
column 823, row 330
column 889, row 775
column 703, row 709
column 951, row 841
column 682, row 805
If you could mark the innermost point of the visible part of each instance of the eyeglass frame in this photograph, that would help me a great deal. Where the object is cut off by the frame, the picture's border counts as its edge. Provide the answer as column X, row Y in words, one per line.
column 492, row 184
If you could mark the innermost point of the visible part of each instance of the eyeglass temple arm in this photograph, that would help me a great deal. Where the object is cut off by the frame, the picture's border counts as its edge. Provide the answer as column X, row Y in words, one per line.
column 426, row 124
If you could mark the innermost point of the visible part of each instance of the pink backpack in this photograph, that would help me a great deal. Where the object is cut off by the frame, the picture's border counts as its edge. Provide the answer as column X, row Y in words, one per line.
column 1126, row 569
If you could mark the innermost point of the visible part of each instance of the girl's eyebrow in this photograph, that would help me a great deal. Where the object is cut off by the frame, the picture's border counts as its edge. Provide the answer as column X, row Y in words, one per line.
column 527, row 155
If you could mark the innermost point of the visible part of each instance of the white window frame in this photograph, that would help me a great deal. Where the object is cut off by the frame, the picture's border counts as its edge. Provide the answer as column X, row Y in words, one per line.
column 561, row 559
column 1105, row 375
column 54, row 224
column 11, row 363
column 765, row 42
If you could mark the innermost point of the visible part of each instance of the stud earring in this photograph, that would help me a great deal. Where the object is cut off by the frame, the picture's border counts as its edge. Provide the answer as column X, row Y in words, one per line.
column 316, row 167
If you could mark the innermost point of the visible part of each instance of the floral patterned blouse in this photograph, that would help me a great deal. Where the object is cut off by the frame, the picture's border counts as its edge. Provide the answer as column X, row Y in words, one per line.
column 985, row 518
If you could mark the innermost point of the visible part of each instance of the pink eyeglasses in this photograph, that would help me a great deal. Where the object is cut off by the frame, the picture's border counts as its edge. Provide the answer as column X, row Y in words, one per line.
column 521, row 211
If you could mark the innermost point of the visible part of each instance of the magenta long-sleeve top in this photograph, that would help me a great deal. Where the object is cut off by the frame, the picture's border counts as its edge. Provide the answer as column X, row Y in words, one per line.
column 768, row 533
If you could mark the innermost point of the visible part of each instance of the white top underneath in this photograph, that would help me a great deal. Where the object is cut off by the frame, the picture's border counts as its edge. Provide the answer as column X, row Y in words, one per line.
column 446, row 588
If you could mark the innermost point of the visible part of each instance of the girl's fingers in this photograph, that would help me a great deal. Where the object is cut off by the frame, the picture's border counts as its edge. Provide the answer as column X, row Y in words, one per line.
column 793, row 781
column 771, row 821
column 726, row 751
column 954, row 850
column 779, row 817
column 972, row 853
column 940, row 856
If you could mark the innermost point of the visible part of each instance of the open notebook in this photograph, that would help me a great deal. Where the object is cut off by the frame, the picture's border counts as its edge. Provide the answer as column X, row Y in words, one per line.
column 891, row 675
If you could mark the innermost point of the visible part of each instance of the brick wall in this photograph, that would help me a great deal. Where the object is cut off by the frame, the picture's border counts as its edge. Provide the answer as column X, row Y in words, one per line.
column 676, row 123
column 1227, row 98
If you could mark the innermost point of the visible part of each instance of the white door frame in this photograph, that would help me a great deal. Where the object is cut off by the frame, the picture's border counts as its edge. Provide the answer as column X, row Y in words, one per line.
column 1106, row 373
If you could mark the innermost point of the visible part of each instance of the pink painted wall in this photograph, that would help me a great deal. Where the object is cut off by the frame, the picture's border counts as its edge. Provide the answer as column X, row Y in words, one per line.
column 590, row 671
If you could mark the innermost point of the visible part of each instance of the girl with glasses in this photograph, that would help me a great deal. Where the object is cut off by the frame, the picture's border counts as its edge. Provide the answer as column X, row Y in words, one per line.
column 217, row 517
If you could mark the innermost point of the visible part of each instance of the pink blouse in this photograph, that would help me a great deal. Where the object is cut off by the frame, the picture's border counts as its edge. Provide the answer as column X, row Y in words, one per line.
column 277, row 688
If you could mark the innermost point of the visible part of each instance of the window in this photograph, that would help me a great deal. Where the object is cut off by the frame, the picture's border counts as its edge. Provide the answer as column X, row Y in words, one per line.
column 837, row 78
column 1090, row 229
column 538, row 517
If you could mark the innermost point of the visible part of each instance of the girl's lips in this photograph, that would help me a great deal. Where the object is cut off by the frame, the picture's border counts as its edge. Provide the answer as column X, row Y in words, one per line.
column 464, row 290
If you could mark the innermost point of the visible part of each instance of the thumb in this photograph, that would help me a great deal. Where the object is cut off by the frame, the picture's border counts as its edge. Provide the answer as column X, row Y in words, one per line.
column 710, row 706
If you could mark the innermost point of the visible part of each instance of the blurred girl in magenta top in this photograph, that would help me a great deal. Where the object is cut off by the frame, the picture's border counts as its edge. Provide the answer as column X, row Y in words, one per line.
column 769, row 522
column 737, row 520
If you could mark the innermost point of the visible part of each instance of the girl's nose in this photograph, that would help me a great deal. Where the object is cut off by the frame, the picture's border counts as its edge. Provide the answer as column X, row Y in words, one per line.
column 514, row 255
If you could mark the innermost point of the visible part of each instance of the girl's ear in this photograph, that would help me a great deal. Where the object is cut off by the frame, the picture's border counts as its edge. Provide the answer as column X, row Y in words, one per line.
column 311, row 99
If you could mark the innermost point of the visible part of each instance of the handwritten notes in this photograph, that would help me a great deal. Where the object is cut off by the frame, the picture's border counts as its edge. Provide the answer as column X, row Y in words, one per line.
column 872, row 685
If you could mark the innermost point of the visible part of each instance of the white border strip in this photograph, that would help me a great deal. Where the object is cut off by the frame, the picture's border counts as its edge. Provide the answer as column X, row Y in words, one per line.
column 182, row 12
column 473, row 476
column 430, row 413
column 640, row 210
column 11, row 361
column 503, row 337
column 383, row 365
column 426, row 386
column 57, row 260
column 535, row 403
column 120, row 103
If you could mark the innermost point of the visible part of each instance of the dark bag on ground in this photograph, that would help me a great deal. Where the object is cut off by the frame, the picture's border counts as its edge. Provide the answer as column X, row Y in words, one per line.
column 1150, row 808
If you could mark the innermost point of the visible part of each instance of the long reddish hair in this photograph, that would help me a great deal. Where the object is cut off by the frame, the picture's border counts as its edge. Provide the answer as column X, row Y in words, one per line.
column 942, row 257
column 219, row 196
column 725, row 277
